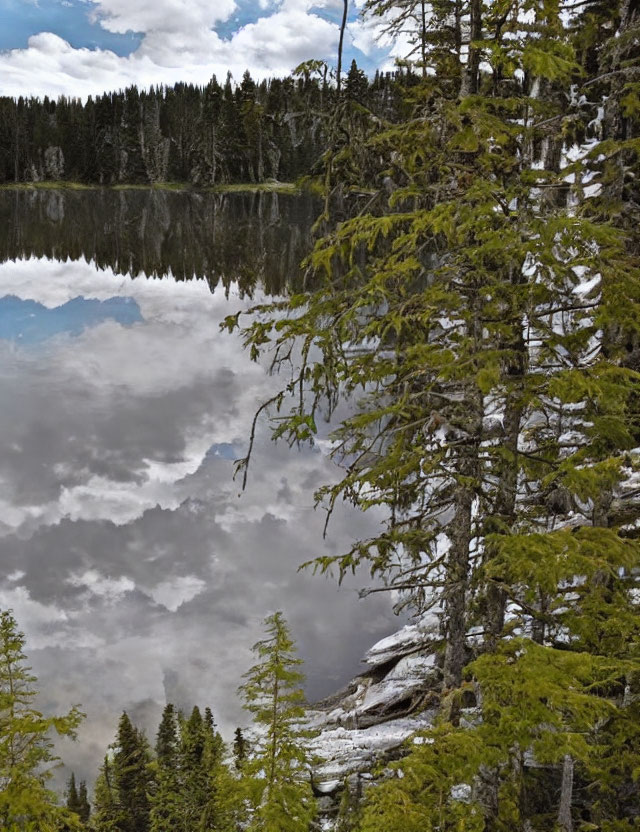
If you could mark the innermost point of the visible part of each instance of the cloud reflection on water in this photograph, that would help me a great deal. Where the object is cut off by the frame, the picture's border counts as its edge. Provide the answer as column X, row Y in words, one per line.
column 137, row 570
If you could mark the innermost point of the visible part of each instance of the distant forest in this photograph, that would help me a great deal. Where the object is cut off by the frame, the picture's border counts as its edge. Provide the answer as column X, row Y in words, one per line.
column 217, row 134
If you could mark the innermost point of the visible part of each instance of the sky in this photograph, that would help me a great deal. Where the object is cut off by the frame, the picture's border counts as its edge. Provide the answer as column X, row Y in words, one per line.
column 138, row 570
column 85, row 47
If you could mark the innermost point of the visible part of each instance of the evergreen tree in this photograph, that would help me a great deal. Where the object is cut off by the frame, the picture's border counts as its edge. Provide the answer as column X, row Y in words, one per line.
column 131, row 777
column 488, row 292
column 107, row 812
column 356, row 85
column 224, row 808
column 166, row 800
column 239, row 748
column 194, row 780
column 278, row 766
column 84, row 807
column 235, row 133
column 73, row 801
column 26, row 758
column 77, row 800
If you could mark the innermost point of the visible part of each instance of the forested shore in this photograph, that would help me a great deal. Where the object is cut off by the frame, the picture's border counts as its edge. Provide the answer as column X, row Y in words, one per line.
column 220, row 134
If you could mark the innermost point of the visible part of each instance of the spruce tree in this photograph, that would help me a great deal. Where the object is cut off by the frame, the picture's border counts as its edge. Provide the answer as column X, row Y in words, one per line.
column 223, row 809
column 239, row 748
column 107, row 812
column 77, row 800
column 131, row 777
column 277, row 769
column 84, row 807
column 73, row 801
column 193, row 767
column 26, row 756
column 166, row 799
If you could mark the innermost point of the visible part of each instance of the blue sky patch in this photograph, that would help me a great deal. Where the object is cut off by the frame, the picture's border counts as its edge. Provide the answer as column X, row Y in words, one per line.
column 29, row 322
column 19, row 19
column 225, row 450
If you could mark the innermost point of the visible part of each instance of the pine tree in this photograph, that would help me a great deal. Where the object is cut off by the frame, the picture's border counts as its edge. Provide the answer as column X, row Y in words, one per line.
column 167, row 799
column 131, row 777
column 193, row 767
column 107, row 812
column 73, row 801
column 84, row 807
column 356, row 85
column 26, row 758
column 224, row 808
column 77, row 800
column 278, row 765
column 239, row 749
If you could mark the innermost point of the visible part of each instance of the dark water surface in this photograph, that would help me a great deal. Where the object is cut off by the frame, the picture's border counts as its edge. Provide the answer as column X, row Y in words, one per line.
column 243, row 237
column 138, row 572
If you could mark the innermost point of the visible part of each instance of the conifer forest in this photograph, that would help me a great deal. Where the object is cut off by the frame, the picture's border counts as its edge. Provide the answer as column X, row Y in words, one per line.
column 219, row 134
column 463, row 336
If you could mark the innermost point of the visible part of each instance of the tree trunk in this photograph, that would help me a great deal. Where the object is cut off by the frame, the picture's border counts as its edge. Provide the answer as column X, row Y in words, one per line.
column 565, row 821
column 423, row 36
column 343, row 26
column 456, row 592
column 470, row 75
column 457, row 574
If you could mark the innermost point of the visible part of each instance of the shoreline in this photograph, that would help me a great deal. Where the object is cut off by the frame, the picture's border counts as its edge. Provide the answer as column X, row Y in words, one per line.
column 180, row 187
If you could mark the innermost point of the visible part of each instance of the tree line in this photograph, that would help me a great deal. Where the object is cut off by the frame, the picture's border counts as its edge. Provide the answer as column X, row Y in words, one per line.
column 217, row 134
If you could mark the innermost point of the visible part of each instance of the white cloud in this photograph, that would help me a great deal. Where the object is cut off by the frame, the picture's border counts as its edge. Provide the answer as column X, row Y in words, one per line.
column 178, row 591
column 110, row 589
column 113, row 367
column 42, row 621
column 285, row 39
column 167, row 16
column 179, row 44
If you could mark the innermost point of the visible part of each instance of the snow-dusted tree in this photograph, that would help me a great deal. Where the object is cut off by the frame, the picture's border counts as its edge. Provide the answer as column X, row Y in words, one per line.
column 481, row 310
column 277, row 768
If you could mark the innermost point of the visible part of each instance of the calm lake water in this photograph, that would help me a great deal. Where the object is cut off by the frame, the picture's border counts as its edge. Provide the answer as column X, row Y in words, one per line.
column 138, row 572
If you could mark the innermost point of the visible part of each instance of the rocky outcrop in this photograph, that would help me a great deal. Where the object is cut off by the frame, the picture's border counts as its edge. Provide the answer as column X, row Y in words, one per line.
column 369, row 721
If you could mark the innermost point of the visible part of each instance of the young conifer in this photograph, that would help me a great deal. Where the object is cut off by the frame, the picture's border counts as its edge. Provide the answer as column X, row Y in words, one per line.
column 278, row 765
column 107, row 812
column 194, row 783
column 239, row 748
column 26, row 756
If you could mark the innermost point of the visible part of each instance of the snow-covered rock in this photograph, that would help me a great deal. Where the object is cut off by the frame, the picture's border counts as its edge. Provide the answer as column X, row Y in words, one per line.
column 371, row 719
column 407, row 640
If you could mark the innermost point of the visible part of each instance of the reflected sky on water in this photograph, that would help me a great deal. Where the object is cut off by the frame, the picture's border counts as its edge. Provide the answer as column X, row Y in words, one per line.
column 138, row 571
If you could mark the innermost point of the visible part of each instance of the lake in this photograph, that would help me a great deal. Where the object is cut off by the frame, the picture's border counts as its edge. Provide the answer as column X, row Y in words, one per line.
column 137, row 569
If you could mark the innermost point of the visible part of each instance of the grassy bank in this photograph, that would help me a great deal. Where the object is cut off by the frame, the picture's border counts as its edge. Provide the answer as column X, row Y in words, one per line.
column 249, row 187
